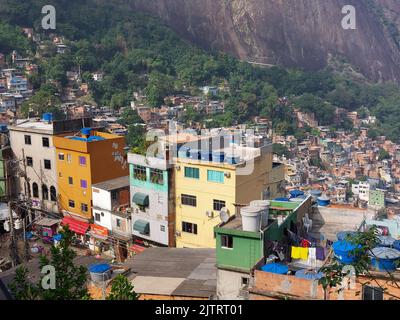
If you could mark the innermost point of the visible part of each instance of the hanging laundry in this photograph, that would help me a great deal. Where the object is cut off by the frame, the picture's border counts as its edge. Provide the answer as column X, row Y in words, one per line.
column 305, row 243
column 320, row 253
column 296, row 253
column 312, row 257
column 303, row 253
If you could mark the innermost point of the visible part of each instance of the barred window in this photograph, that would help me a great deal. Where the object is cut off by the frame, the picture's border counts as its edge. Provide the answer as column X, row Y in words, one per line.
column 139, row 173
column 218, row 205
column 156, row 176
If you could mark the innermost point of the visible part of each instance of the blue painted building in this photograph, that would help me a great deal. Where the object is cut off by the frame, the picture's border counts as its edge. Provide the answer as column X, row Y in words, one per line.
column 152, row 199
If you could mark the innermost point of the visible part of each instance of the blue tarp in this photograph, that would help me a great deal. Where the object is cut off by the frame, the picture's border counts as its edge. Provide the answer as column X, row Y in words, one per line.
column 275, row 268
column 99, row 268
column 58, row 237
column 310, row 275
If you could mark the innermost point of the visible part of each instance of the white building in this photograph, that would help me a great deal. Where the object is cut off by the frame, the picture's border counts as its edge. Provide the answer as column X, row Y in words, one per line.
column 31, row 141
column 110, row 203
column 361, row 190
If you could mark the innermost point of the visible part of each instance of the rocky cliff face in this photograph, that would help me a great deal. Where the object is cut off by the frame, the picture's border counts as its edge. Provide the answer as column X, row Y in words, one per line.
column 305, row 33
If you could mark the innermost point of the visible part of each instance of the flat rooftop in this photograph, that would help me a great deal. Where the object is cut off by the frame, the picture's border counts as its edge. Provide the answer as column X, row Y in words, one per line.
column 29, row 124
column 181, row 272
column 113, row 184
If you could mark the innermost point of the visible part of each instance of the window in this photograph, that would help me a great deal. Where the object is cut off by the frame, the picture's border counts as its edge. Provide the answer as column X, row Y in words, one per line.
column 189, row 227
column 45, row 142
column 53, row 193
column 61, row 156
column 82, row 161
column 60, row 174
column 29, row 161
column 215, row 176
column 118, row 221
column 70, row 180
column 83, row 184
column 97, row 216
column 69, row 158
column 218, row 205
column 28, row 139
column 245, row 281
column 84, row 207
column 162, row 228
column 189, row 200
column 372, row 293
column 35, row 189
column 45, row 192
column 226, row 241
column 47, row 164
column 139, row 173
column 156, row 176
column 71, row 203
column 192, row 173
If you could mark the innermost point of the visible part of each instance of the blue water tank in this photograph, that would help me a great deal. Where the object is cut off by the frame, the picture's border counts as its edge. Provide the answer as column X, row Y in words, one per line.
column 99, row 268
column 86, row 131
column 3, row 128
column 323, row 201
column 218, row 156
column 206, row 155
column 296, row 193
column 194, row 154
column 232, row 159
column 47, row 116
column 384, row 259
column 344, row 235
column 344, row 251
column 316, row 193
column 183, row 152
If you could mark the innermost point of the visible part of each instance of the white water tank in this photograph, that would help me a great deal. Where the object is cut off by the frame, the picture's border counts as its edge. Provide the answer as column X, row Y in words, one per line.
column 264, row 206
column 251, row 218
column 6, row 225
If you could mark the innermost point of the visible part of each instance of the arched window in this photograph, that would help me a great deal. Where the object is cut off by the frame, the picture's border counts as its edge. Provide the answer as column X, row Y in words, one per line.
column 45, row 192
column 29, row 188
column 35, row 189
column 53, row 193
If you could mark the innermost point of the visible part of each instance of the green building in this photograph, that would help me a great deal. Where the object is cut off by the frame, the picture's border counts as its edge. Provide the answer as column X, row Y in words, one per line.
column 376, row 198
column 239, row 251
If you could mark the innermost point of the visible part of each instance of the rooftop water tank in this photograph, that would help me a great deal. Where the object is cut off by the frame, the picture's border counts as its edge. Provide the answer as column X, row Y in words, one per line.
column 218, row 156
column 100, row 272
column 194, row 154
column 345, row 251
column 47, row 116
column 206, row 155
column 316, row 193
column 323, row 201
column 251, row 218
column 295, row 193
column 282, row 199
column 384, row 259
column 86, row 131
column 264, row 207
column 183, row 152
column 232, row 159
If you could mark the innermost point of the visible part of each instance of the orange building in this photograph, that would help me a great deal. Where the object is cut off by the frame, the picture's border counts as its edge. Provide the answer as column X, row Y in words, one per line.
column 84, row 159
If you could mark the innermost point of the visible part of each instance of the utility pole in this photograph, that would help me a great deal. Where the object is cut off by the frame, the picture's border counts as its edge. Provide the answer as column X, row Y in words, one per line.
column 13, row 245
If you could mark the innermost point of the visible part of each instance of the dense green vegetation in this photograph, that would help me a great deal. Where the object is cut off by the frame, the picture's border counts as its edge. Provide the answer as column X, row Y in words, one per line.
column 138, row 53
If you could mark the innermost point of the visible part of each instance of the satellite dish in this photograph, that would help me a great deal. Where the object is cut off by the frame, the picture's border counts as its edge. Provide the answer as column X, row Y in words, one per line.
column 223, row 215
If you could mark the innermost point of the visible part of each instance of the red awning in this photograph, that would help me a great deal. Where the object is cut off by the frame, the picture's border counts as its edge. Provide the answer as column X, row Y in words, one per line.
column 76, row 226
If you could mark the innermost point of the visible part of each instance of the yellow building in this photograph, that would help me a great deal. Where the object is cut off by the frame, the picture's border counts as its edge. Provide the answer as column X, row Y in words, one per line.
column 204, row 187
column 82, row 160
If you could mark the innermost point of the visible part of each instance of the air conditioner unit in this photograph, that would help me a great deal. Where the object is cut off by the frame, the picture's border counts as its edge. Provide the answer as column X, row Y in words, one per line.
column 178, row 233
column 210, row 214
column 227, row 174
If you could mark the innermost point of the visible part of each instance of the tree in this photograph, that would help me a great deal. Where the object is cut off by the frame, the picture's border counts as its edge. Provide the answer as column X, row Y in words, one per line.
column 70, row 280
column 122, row 289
